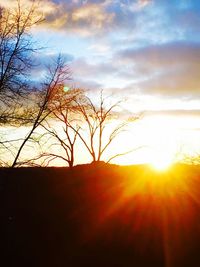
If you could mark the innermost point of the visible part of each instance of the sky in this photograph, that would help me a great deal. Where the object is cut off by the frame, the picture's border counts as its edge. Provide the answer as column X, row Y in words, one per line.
column 147, row 51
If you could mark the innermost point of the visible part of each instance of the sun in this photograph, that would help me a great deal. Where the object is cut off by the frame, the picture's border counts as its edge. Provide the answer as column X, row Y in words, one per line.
column 161, row 161
column 161, row 165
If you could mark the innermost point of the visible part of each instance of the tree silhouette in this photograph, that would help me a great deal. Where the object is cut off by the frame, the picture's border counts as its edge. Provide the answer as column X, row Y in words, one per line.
column 64, row 112
column 16, row 62
column 95, row 119
column 16, row 49
column 57, row 74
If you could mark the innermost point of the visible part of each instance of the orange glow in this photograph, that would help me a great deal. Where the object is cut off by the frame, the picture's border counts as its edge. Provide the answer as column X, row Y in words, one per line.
column 148, row 205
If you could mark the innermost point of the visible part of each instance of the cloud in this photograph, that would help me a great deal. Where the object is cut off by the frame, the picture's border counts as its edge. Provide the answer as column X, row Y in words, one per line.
column 93, row 17
column 139, row 5
column 81, row 68
column 176, row 112
column 42, row 61
column 89, row 18
column 143, row 19
column 171, row 69
column 85, row 84
column 184, row 83
column 157, row 44
column 81, row 17
column 43, row 5
column 83, row 74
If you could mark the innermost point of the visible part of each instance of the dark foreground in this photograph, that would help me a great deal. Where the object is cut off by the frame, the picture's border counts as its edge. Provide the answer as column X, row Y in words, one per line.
column 100, row 216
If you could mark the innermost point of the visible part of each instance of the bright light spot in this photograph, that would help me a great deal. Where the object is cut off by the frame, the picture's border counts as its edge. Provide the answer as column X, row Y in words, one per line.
column 155, row 141
column 66, row 88
column 161, row 165
column 161, row 160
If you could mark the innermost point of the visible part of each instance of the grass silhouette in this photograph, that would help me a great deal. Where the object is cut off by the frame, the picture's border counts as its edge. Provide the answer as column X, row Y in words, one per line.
column 100, row 215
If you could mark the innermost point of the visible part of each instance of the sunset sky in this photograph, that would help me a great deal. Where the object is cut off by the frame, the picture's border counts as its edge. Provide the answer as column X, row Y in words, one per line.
column 147, row 51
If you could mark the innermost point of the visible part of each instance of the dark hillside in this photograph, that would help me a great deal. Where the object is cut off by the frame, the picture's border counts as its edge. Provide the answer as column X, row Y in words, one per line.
column 100, row 215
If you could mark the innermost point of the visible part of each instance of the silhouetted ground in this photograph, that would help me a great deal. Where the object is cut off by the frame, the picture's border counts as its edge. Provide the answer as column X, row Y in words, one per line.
column 100, row 215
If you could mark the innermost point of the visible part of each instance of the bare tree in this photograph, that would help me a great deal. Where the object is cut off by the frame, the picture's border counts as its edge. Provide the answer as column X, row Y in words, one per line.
column 64, row 110
column 97, row 119
column 16, row 49
column 78, row 117
column 16, row 61
column 64, row 138
column 57, row 74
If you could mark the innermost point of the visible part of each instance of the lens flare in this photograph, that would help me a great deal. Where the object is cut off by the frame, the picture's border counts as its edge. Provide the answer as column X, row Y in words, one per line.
column 66, row 88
